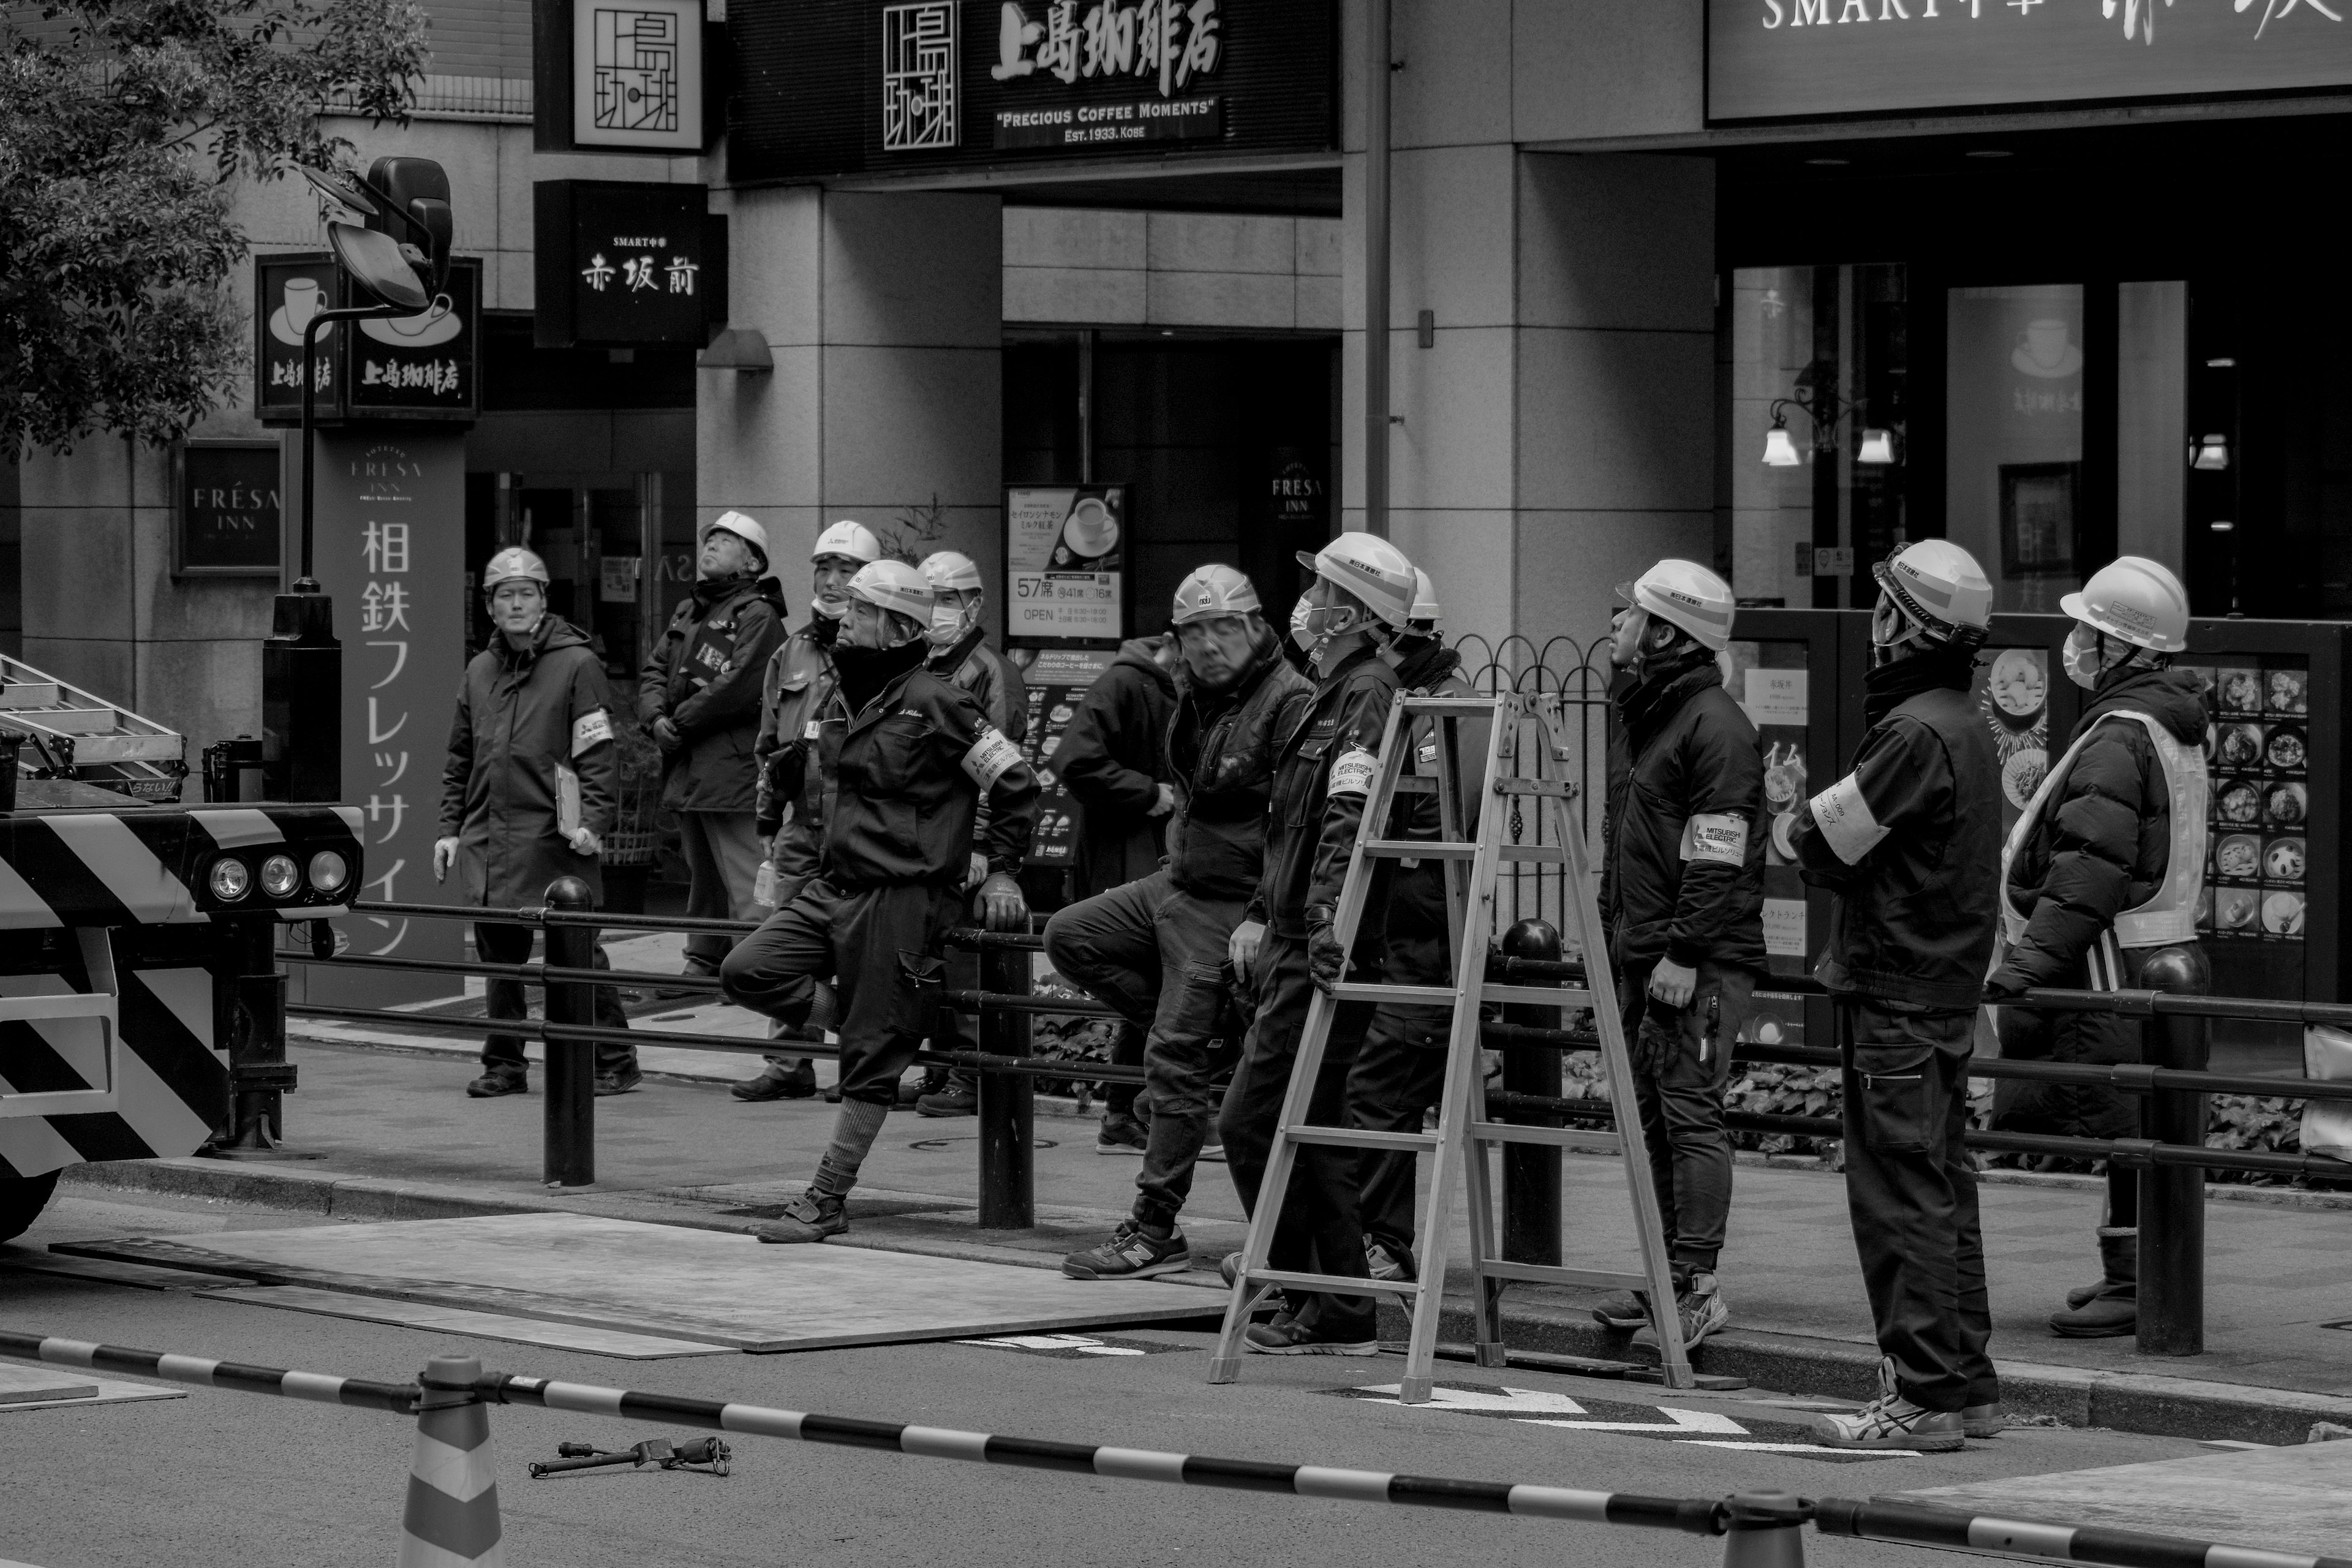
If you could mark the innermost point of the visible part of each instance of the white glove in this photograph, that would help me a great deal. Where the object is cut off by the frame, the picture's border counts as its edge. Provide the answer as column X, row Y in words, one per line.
column 584, row 841
column 763, row 886
column 444, row 855
column 1243, row 948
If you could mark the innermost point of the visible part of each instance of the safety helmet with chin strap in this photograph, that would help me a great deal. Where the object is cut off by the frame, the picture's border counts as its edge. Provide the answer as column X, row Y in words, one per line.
column 895, row 586
column 1213, row 591
column 1372, row 569
column 1687, row 596
column 2134, row 600
column 1932, row 591
column 950, row 571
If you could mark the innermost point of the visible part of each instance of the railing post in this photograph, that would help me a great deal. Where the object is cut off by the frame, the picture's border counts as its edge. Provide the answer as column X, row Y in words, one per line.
column 259, row 1076
column 570, row 1156
column 1531, row 1170
column 2172, row 1197
column 1008, row 1104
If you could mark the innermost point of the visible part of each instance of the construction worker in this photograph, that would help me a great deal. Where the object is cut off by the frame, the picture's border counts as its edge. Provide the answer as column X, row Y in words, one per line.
column 793, row 691
column 1360, row 600
column 1400, row 1073
column 527, row 795
column 1113, row 760
column 2101, row 877
column 1682, row 896
column 906, row 758
column 1909, row 842
column 1157, row 948
column 699, row 695
column 961, row 655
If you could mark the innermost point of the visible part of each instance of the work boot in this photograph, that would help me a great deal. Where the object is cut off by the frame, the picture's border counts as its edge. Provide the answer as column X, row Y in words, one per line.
column 933, row 1081
column 1121, row 1135
column 2114, row 1310
column 781, row 1080
column 618, row 1082
column 811, row 1217
column 1892, row 1422
column 953, row 1101
column 701, row 968
column 495, row 1082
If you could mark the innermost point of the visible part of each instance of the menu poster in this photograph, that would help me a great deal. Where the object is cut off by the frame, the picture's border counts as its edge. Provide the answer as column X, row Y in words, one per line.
column 1770, row 681
column 1065, row 563
column 2258, row 748
column 2013, row 694
column 1058, row 680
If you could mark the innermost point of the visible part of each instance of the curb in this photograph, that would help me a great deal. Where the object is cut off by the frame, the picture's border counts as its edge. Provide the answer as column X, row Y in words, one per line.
column 2146, row 1403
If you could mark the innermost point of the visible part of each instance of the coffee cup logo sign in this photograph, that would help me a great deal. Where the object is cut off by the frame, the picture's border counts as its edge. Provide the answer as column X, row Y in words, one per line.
column 415, row 365
column 1782, row 58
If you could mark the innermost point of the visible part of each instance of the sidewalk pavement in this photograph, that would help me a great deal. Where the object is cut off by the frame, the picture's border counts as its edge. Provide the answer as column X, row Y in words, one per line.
column 396, row 1138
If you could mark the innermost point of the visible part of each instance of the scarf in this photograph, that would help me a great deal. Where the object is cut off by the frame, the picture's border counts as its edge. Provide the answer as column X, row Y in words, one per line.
column 1664, row 685
column 1889, row 686
column 866, row 672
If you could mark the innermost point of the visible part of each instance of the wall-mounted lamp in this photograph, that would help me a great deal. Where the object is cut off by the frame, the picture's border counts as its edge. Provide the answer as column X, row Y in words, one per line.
column 2210, row 454
column 1821, row 404
column 2222, row 525
column 1779, row 452
column 1877, row 447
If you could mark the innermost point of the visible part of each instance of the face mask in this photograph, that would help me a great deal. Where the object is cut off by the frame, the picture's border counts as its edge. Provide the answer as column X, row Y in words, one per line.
column 829, row 609
column 2082, row 657
column 1298, row 631
column 947, row 625
column 1320, row 619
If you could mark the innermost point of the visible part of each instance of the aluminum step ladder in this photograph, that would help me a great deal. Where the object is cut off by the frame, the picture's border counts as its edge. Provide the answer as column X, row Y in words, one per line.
column 1465, row 1133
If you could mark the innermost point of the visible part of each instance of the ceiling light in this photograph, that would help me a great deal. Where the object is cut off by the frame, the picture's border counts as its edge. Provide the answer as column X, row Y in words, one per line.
column 2222, row 525
column 1779, row 452
column 1829, row 163
column 2221, row 365
column 1987, row 153
column 2212, row 454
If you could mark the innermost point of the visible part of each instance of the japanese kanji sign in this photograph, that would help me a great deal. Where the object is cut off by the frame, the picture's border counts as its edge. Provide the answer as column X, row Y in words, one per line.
column 1166, row 52
column 1774, row 59
column 637, row 74
column 919, row 76
column 419, row 366
column 625, row 265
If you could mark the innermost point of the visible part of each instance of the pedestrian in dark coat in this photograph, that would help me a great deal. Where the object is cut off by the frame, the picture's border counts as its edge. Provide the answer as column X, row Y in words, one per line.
column 1113, row 761
column 527, row 795
column 699, row 695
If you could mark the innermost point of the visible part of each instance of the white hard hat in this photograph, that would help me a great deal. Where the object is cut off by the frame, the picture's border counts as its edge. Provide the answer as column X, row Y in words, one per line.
column 1686, row 595
column 1214, row 590
column 1426, row 610
column 1941, row 586
column 854, row 540
column 1372, row 569
column 744, row 527
column 2136, row 599
column 895, row 586
column 950, row 571
column 513, row 562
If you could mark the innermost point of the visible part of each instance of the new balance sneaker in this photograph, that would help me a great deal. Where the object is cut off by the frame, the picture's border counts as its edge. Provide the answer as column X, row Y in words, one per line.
column 1121, row 1135
column 1891, row 1421
column 811, row 1217
column 1287, row 1336
column 1625, row 1311
column 1386, row 1261
column 1130, row 1254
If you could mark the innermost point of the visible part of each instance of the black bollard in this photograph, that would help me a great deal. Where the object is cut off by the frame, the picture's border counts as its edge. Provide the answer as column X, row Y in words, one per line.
column 571, row 1157
column 1008, row 1103
column 252, row 1015
column 1531, row 1170
column 2172, row 1197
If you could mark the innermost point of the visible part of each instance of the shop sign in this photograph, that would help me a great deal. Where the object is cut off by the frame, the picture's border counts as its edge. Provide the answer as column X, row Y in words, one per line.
column 226, row 511
column 1065, row 563
column 420, row 366
column 636, row 74
column 1797, row 59
column 622, row 264
column 939, row 83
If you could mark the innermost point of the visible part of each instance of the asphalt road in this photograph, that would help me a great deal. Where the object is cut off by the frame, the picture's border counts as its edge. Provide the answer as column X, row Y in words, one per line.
column 222, row 1480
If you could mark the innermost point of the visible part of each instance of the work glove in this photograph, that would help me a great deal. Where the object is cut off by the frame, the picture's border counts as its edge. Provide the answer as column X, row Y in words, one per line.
column 665, row 734
column 584, row 841
column 1241, row 948
column 1001, row 906
column 1326, row 956
column 763, row 886
column 444, row 855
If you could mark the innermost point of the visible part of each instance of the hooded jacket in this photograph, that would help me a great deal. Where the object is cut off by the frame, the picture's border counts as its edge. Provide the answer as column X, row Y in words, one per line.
column 1683, row 868
column 2103, row 840
column 704, row 676
column 1221, row 752
column 521, row 712
column 1112, row 760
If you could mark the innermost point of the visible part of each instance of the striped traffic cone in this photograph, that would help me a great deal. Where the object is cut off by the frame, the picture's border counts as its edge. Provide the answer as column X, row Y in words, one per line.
column 451, row 1519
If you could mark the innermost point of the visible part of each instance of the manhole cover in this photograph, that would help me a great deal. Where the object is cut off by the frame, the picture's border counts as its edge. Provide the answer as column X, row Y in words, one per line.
column 971, row 1138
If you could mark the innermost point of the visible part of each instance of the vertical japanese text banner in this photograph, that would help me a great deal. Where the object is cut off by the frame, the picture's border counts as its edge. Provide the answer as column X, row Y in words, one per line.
column 391, row 531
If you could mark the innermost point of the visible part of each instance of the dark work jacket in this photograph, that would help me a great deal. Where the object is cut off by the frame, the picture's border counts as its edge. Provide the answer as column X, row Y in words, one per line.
column 703, row 675
column 794, row 692
column 1113, row 759
column 1311, row 832
column 1916, row 911
column 519, row 713
column 902, row 800
column 1680, row 748
column 993, row 680
column 1221, row 750
column 1415, row 909
column 2103, row 841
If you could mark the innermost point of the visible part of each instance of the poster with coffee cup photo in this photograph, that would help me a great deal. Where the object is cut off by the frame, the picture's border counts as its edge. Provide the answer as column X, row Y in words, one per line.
column 1065, row 563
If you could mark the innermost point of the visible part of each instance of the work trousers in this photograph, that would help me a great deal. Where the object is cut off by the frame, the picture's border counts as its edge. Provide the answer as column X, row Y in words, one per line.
column 497, row 943
column 1319, row 1231
column 881, row 948
column 1399, row 1075
column 1682, row 1059
column 1913, row 1197
column 723, row 851
column 1155, row 955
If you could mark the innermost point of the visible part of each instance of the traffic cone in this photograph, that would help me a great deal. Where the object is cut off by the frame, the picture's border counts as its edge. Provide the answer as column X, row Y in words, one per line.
column 451, row 1518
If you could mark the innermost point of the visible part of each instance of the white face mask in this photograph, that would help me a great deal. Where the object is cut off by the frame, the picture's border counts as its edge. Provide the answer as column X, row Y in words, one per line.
column 947, row 624
column 2082, row 657
column 1298, row 631
column 831, row 609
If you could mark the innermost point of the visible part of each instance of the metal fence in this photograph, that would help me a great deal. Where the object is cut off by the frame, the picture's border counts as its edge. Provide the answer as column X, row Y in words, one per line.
column 1577, row 676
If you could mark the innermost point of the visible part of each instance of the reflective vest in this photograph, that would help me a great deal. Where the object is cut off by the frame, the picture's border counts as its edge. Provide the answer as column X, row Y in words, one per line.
column 2169, row 916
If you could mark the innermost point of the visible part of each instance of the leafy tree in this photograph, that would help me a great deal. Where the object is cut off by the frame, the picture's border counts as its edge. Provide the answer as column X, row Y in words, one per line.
column 123, row 125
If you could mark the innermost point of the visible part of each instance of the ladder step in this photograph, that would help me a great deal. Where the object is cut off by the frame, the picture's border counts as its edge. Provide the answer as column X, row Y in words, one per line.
column 1361, row 1138
column 1341, row 1285
column 1560, row 788
column 1449, row 704
column 1427, row 995
column 1559, row 1137
column 1420, row 850
column 1414, row 784
column 1546, row 1274
column 1532, row 995
column 1546, row 853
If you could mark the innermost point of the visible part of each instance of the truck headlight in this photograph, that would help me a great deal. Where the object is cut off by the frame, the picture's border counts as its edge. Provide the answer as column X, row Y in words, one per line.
column 229, row 879
column 279, row 876
column 328, row 871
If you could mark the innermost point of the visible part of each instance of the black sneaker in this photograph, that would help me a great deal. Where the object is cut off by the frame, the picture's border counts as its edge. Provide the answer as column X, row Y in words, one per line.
column 620, row 1083
column 494, row 1083
column 811, row 1217
column 1625, row 1311
column 1130, row 1254
column 1287, row 1336
column 797, row 1081
column 949, row 1102
column 1121, row 1135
